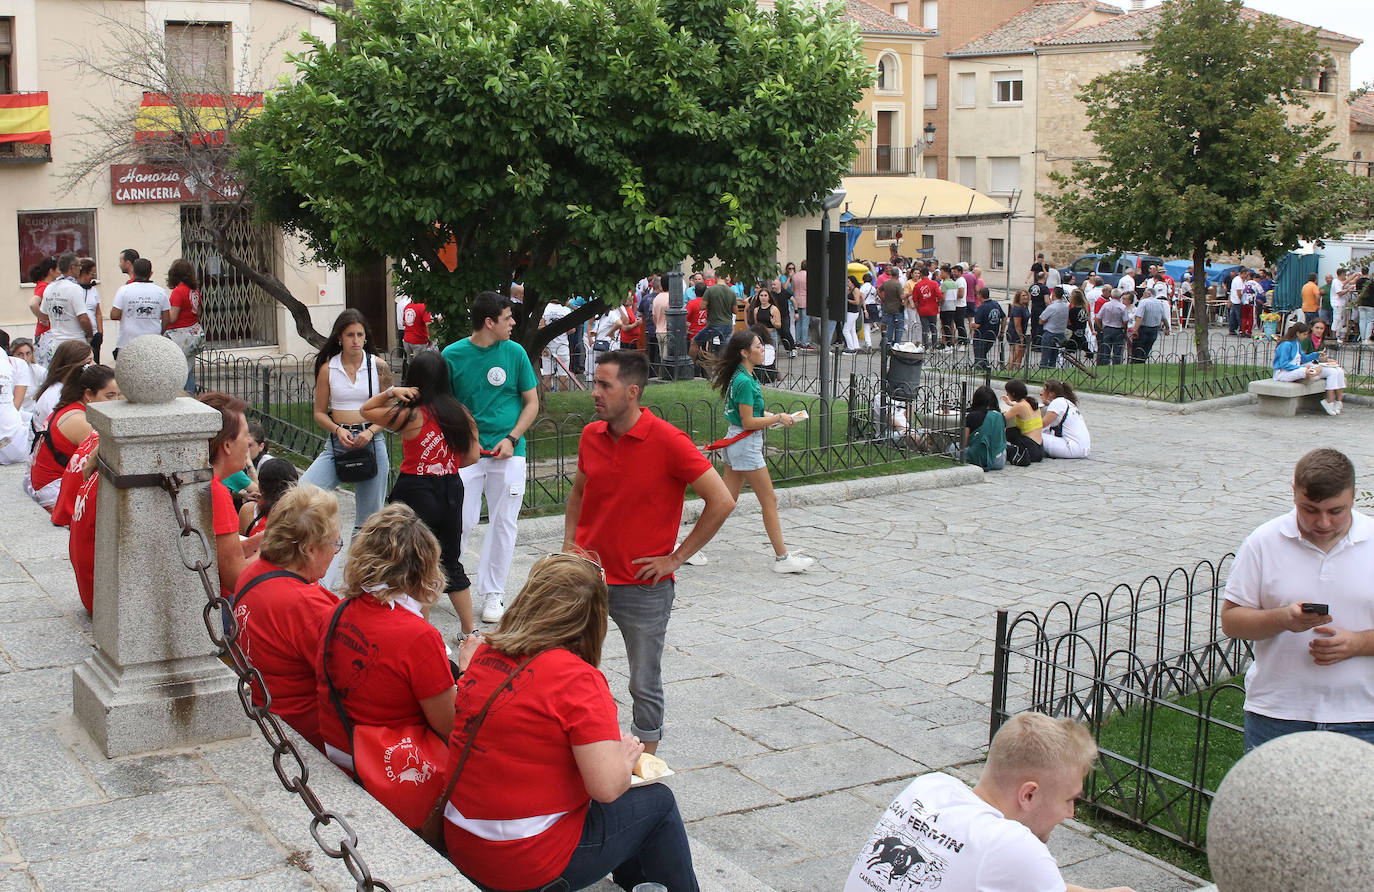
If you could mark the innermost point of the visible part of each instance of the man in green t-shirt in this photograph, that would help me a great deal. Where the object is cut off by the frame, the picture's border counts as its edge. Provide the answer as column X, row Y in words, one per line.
column 720, row 316
column 494, row 379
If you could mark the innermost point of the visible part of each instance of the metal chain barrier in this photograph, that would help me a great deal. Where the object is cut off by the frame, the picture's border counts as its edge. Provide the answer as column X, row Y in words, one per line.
column 223, row 629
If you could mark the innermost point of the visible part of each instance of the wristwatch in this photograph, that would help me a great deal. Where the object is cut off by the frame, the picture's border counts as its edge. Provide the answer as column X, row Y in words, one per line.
column 514, row 440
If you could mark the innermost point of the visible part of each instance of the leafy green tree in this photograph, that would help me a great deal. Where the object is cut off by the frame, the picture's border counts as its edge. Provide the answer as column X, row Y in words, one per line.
column 574, row 145
column 1206, row 145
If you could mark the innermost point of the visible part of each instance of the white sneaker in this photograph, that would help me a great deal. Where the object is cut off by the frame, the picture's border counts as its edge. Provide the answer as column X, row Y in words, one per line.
column 793, row 563
column 1329, row 408
column 494, row 609
column 1340, row 406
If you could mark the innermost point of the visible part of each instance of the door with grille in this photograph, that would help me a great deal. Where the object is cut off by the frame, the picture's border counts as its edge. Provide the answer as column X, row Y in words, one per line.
column 234, row 311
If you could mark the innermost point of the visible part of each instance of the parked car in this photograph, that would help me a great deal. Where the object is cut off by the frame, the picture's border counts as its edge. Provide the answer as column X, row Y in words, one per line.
column 1111, row 267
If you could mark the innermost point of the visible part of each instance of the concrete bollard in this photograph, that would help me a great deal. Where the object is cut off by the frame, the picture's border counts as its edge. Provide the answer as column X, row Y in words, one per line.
column 1295, row 813
column 154, row 680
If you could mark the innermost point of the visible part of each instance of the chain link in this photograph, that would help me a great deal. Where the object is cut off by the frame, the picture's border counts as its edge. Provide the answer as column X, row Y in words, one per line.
column 223, row 629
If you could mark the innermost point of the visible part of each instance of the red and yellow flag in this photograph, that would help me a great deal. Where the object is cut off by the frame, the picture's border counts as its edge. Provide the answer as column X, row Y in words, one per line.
column 24, row 118
column 203, row 117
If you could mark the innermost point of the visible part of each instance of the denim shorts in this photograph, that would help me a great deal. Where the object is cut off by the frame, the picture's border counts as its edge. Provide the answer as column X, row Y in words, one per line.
column 746, row 454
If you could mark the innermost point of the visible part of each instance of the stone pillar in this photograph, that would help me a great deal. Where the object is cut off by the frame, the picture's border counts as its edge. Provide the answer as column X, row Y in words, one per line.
column 154, row 680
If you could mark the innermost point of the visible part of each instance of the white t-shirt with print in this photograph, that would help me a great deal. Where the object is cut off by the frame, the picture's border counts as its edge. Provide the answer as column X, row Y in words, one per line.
column 141, row 304
column 938, row 834
column 64, row 303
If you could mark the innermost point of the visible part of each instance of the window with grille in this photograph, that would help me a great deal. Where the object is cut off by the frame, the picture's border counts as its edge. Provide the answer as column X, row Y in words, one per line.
column 198, row 57
column 1008, row 88
column 996, row 254
column 965, row 249
column 234, row 311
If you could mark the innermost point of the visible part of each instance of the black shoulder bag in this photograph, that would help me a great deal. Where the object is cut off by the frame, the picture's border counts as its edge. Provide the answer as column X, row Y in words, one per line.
column 356, row 465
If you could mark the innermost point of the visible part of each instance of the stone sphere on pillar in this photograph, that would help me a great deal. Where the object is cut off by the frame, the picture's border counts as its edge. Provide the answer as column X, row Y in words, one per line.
column 151, row 369
column 1295, row 813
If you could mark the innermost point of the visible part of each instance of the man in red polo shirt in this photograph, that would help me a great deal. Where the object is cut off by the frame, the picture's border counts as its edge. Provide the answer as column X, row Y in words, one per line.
column 633, row 469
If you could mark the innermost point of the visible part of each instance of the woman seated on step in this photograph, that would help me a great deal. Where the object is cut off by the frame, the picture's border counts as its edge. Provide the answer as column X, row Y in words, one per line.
column 1291, row 364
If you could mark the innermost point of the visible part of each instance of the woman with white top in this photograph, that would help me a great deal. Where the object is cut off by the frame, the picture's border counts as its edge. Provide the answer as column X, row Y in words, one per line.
column 69, row 356
column 1065, row 435
column 347, row 374
column 14, row 438
column 27, row 375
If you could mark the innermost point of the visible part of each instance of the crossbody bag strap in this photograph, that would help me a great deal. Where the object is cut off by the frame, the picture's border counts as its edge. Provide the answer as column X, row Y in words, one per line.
column 436, row 814
column 334, row 696
column 262, row 577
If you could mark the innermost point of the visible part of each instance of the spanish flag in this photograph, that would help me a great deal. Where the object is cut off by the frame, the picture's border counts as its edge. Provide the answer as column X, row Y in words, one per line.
column 201, row 117
column 24, row 118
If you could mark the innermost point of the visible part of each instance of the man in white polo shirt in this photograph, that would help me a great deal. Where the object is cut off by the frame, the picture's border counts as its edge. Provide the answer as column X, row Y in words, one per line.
column 1300, row 590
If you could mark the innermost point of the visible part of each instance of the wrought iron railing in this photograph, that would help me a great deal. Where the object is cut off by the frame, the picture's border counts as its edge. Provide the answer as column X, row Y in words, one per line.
column 1149, row 670
column 879, row 160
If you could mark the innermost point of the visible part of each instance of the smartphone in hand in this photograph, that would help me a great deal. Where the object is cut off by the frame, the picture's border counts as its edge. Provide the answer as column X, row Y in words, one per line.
column 1311, row 607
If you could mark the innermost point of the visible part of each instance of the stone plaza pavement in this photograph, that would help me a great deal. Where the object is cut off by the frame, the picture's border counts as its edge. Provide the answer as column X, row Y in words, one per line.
column 797, row 705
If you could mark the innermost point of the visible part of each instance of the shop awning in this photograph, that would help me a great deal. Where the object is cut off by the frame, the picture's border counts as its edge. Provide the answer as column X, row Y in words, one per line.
column 24, row 118
column 203, row 117
column 918, row 202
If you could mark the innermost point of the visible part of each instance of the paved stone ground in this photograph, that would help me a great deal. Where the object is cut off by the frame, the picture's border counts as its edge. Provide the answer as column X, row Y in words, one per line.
column 797, row 706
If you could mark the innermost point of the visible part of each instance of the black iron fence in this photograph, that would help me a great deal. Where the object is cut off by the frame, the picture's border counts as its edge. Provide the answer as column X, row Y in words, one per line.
column 864, row 426
column 1149, row 670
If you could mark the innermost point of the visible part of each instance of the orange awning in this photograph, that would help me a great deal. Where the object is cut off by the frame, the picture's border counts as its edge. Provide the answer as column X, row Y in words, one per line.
column 205, row 116
column 24, row 118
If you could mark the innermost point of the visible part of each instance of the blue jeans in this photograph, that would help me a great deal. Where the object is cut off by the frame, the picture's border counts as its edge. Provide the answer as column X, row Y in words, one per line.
column 703, row 338
column 894, row 325
column 369, row 495
column 641, row 613
column 1233, row 318
column 1111, row 346
column 1049, row 348
column 1262, row 729
column 1366, row 322
column 803, row 330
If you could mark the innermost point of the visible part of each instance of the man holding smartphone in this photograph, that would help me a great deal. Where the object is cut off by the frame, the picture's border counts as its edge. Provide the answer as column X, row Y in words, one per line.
column 1299, row 589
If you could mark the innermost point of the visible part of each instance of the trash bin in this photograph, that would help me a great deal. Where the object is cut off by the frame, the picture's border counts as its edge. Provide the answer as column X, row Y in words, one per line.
column 904, row 371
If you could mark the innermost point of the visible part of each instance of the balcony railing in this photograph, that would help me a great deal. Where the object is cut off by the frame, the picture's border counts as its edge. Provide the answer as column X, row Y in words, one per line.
column 882, row 160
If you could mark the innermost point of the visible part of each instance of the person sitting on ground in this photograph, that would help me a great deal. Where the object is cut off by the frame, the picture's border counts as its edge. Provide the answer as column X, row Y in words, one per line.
column 388, row 665
column 985, row 432
column 282, row 609
column 67, row 429
column 543, row 797
column 1291, row 364
column 228, row 455
column 1065, row 434
column 992, row 837
column 1022, row 417
column 69, row 356
column 276, row 477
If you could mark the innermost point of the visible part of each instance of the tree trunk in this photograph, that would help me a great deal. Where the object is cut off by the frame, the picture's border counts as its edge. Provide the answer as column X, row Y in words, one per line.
column 537, row 339
column 305, row 327
column 1202, row 314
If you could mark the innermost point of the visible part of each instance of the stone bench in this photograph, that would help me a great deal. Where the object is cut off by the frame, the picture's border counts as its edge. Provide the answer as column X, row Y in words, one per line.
column 1284, row 398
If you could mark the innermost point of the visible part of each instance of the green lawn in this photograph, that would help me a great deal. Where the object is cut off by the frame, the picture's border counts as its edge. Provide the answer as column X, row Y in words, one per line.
column 1158, row 380
column 1169, row 750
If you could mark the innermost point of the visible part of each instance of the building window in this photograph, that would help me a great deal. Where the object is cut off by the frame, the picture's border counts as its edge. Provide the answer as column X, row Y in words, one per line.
column 968, row 172
column 1326, row 81
column 932, row 90
column 997, row 258
column 965, row 95
column 49, row 233
column 1004, row 175
column 932, row 167
column 6, row 55
column 887, row 234
column 1008, row 88
column 198, row 57
column 928, row 243
column 930, row 13
column 235, row 312
column 965, row 250
column 901, row 11
column 889, row 74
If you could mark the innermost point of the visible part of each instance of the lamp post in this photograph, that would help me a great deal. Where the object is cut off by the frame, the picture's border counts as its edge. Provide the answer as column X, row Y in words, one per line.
column 830, row 203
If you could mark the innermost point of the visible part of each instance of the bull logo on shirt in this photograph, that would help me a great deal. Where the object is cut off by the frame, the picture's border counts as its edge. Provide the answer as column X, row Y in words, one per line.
column 144, row 311
column 909, row 867
column 405, row 764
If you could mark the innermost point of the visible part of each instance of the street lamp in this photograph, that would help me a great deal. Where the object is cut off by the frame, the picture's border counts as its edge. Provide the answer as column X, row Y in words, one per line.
column 828, row 204
column 929, row 132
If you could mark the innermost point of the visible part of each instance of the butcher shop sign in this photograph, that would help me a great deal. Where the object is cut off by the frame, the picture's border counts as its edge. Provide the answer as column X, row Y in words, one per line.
column 150, row 184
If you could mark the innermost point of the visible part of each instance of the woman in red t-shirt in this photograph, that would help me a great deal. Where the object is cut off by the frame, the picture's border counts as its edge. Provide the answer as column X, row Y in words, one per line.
column 282, row 609
column 66, row 430
column 438, row 437
column 183, row 327
column 228, row 456
column 544, row 793
column 388, row 664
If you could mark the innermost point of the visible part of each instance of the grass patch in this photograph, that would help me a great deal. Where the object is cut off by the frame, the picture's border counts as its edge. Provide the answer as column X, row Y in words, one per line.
column 1138, row 765
column 1159, row 380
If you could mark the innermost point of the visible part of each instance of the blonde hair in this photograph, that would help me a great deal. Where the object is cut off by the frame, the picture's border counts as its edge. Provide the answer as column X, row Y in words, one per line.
column 394, row 553
column 301, row 518
column 564, row 604
column 1031, row 745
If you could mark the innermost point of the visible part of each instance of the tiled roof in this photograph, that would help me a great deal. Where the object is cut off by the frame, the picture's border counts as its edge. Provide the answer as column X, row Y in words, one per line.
column 1133, row 25
column 871, row 19
column 1045, row 19
column 1362, row 111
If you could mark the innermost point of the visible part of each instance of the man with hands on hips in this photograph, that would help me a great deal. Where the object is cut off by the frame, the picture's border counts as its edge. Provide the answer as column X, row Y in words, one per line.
column 625, row 508
column 1300, row 591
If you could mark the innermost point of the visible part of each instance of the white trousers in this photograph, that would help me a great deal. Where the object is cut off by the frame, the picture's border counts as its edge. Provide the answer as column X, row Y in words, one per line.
column 1062, row 447
column 851, row 338
column 502, row 483
column 1333, row 375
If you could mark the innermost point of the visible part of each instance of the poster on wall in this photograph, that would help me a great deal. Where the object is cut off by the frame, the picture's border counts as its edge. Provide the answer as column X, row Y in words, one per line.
column 49, row 233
